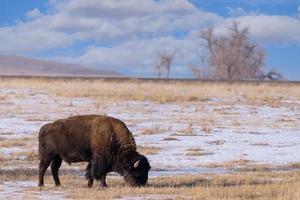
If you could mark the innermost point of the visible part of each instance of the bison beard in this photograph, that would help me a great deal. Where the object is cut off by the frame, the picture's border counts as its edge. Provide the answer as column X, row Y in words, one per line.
column 104, row 142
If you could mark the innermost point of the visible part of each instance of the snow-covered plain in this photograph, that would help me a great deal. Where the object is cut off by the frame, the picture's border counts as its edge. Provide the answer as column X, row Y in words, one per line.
column 221, row 140
column 219, row 132
column 188, row 135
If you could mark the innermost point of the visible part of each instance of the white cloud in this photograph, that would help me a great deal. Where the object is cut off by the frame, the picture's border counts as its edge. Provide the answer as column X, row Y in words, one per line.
column 102, row 21
column 125, row 9
column 135, row 31
column 258, row 2
column 108, row 19
column 236, row 11
column 274, row 28
column 278, row 29
column 139, row 56
column 21, row 39
column 35, row 13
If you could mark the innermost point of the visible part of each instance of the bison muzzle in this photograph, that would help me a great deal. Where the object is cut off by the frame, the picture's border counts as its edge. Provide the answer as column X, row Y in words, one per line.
column 104, row 142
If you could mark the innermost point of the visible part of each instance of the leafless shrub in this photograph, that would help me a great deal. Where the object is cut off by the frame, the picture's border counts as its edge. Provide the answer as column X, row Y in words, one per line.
column 164, row 66
column 232, row 57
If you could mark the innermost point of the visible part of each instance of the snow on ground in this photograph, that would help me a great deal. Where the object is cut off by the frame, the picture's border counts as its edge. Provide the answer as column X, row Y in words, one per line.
column 263, row 143
column 188, row 134
column 17, row 190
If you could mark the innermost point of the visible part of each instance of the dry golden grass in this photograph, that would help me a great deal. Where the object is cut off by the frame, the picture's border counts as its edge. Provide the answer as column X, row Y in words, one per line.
column 188, row 131
column 24, row 150
column 238, row 186
column 197, row 152
column 20, row 158
column 17, row 142
column 229, row 164
column 253, row 182
column 243, row 165
column 12, row 143
column 31, row 155
column 263, row 93
column 148, row 150
column 245, row 186
column 151, row 131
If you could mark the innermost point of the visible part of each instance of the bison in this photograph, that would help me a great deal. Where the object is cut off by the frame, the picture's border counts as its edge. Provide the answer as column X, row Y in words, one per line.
column 104, row 142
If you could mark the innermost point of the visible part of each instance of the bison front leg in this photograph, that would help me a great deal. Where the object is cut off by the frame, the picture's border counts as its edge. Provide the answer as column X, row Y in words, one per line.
column 99, row 169
column 103, row 182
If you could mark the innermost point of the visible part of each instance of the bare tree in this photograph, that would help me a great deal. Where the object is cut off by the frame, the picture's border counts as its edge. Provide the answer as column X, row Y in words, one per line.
column 164, row 66
column 232, row 57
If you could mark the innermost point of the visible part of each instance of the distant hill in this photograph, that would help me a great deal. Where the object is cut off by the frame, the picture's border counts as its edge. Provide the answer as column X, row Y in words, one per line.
column 22, row 66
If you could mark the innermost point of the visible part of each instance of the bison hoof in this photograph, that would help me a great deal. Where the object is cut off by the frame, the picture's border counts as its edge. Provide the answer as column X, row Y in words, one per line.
column 90, row 184
column 41, row 185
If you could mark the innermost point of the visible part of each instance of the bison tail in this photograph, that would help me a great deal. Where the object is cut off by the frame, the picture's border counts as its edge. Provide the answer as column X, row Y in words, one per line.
column 41, row 138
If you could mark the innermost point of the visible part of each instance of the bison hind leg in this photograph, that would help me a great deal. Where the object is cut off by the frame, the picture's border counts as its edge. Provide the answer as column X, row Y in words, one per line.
column 55, row 165
column 43, row 165
column 88, row 175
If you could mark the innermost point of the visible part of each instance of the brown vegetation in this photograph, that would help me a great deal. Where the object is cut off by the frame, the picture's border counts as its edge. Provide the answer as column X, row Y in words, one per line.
column 239, row 186
column 100, row 90
column 148, row 150
column 197, row 152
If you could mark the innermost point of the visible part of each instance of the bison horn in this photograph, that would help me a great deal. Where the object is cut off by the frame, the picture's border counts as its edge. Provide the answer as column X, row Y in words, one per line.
column 136, row 164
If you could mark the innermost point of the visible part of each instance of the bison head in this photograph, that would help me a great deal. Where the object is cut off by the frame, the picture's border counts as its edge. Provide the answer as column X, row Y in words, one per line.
column 136, row 171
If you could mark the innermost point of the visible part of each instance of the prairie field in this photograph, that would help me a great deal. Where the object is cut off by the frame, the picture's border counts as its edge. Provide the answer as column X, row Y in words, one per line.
column 204, row 140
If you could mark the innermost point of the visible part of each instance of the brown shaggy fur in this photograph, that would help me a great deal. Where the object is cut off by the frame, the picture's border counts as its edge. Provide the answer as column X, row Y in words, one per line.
column 104, row 142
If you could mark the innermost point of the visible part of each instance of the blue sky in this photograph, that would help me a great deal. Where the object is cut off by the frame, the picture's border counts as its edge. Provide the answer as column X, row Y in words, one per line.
column 128, row 36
